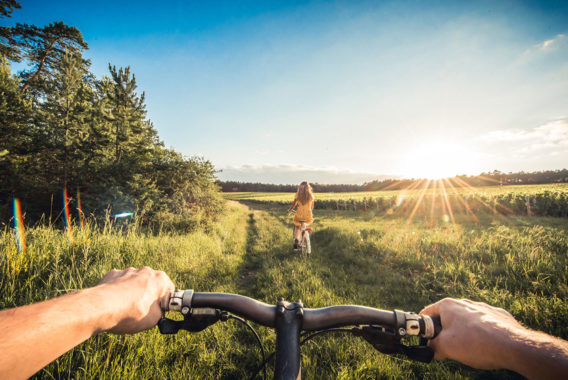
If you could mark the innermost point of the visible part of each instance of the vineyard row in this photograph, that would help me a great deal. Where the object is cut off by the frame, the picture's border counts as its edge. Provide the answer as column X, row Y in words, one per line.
column 546, row 203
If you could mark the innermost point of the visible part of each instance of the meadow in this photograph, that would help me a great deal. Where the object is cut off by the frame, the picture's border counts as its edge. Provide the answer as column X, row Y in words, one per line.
column 369, row 258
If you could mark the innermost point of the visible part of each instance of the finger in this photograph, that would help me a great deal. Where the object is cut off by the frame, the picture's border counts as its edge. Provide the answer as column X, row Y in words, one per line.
column 434, row 309
column 501, row 311
column 111, row 276
column 435, row 345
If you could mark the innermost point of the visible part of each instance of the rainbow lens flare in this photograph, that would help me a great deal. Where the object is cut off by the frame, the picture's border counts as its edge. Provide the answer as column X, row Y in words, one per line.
column 67, row 216
column 19, row 226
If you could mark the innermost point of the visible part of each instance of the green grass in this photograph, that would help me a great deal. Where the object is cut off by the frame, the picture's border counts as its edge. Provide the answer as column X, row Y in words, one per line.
column 519, row 263
column 485, row 190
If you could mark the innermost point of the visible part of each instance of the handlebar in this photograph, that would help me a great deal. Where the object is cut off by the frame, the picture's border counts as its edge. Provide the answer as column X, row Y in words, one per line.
column 405, row 323
column 383, row 329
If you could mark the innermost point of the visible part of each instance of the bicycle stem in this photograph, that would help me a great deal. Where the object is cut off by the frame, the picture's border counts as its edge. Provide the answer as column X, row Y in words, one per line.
column 288, row 326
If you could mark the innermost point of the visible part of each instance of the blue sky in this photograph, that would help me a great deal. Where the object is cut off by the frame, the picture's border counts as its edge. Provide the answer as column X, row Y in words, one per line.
column 341, row 88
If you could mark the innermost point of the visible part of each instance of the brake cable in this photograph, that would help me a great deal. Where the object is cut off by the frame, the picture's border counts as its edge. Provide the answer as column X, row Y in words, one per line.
column 264, row 360
column 196, row 320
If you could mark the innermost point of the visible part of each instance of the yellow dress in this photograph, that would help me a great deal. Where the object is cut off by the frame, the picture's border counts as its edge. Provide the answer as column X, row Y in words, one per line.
column 304, row 213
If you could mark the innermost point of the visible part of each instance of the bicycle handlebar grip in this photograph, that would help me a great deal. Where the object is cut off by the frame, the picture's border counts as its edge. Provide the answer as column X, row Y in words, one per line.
column 432, row 326
column 437, row 325
column 177, row 300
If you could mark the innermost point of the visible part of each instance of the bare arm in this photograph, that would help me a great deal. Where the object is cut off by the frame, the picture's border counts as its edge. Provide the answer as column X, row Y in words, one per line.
column 123, row 302
column 293, row 205
column 486, row 337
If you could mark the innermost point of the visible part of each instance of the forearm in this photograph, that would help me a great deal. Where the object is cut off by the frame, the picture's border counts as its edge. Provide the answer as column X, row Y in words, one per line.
column 293, row 205
column 35, row 335
column 537, row 355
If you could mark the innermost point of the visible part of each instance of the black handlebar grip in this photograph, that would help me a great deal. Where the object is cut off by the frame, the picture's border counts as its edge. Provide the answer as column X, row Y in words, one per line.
column 437, row 325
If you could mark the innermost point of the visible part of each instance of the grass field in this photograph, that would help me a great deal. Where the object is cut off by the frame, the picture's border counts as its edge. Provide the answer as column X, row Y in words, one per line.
column 519, row 263
column 485, row 190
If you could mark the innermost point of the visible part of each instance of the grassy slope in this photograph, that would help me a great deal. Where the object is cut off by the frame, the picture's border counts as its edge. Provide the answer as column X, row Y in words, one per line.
column 486, row 190
column 517, row 263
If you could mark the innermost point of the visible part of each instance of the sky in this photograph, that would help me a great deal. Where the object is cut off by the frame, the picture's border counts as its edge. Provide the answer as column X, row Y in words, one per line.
column 341, row 91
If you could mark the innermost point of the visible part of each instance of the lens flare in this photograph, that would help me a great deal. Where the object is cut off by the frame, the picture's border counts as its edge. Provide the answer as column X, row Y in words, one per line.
column 123, row 215
column 67, row 216
column 19, row 226
column 80, row 210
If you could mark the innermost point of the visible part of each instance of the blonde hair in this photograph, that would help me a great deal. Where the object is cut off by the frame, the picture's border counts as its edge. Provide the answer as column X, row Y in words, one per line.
column 305, row 193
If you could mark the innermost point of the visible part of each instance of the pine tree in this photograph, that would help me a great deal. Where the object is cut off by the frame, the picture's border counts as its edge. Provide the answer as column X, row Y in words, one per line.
column 67, row 108
column 44, row 49
column 17, row 138
column 126, row 112
column 8, row 46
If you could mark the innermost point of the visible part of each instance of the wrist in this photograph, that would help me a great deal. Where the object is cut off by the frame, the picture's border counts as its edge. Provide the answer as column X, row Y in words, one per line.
column 537, row 355
column 512, row 350
column 107, row 305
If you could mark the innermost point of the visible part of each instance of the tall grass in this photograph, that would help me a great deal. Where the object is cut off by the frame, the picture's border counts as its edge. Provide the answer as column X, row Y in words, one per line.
column 518, row 263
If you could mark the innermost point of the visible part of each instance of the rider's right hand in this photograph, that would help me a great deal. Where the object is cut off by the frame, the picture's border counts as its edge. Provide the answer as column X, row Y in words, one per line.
column 136, row 294
column 487, row 337
column 474, row 333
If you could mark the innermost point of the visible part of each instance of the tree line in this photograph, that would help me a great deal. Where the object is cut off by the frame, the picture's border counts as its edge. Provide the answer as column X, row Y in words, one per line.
column 236, row 186
column 63, row 128
column 494, row 178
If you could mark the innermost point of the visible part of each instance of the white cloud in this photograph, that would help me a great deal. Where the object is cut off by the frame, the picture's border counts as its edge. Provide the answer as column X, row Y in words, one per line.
column 559, row 41
column 555, row 132
column 550, row 139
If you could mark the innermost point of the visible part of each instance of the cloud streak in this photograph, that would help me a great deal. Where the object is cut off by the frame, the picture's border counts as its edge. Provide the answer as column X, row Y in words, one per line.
column 558, row 42
column 545, row 141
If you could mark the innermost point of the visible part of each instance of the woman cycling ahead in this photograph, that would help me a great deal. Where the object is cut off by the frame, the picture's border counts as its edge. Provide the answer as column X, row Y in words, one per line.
column 304, row 199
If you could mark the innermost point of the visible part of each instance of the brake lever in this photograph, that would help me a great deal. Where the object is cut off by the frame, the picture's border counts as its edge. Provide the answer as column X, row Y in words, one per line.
column 388, row 341
column 198, row 319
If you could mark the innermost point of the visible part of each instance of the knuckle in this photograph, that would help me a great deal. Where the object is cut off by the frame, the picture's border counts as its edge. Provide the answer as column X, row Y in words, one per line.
column 449, row 301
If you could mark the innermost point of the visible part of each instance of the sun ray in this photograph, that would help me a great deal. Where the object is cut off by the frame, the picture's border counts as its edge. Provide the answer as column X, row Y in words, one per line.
column 418, row 202
column 434, row 190
column 489, row 179
column 463, row 201
column 390, row 186
column 478, row 198
column 447, row 204
column 404, row 196
column 399, row 199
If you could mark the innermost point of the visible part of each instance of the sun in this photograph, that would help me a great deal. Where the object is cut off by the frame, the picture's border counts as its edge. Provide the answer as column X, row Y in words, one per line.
column 436, row 160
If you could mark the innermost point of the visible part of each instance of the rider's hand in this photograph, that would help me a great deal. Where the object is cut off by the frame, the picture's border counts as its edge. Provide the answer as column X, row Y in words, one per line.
column 488, row 337
column 473, row 333
column 136, row 295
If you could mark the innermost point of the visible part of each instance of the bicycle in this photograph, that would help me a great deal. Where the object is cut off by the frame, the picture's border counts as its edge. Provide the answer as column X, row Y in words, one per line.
column 383, row 329
column 304, row 244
